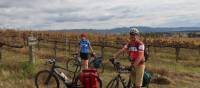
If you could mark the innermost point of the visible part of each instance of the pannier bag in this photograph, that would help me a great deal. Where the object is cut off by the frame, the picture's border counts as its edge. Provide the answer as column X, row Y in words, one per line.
column 146, row 79
column 88, row 78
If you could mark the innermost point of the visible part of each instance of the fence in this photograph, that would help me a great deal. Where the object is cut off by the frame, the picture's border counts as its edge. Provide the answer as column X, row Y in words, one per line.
column 103, row 44
column 34, row 43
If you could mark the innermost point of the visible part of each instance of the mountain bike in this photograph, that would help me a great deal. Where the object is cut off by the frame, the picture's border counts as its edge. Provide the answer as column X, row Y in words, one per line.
column 75, row 62
column 120, row 82
column 50, row 78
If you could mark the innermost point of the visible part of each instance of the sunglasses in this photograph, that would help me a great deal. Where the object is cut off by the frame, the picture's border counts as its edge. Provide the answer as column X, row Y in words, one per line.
column 134, row 34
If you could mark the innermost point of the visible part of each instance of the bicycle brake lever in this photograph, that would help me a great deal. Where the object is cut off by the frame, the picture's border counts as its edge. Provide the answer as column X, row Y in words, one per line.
column 112, row 60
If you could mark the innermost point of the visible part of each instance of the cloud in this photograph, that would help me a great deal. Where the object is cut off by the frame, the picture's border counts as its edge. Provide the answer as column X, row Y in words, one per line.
column 59, row 14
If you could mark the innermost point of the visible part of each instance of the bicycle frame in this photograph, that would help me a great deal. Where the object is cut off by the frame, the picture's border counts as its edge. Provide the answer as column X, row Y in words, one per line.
column 119, row 78
column 54, row 71
column 78, row 59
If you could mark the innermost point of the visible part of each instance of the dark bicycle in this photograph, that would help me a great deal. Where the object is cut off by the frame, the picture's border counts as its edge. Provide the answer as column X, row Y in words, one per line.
column 118, row 81
column 75, row 62
column 50, row 78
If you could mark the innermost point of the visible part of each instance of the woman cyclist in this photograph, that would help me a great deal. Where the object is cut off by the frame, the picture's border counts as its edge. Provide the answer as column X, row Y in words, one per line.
column 84, row 49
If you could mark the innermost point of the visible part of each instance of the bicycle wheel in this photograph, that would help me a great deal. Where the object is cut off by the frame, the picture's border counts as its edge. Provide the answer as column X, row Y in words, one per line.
column 114, row 83
column 44, row 79
column 73, row 65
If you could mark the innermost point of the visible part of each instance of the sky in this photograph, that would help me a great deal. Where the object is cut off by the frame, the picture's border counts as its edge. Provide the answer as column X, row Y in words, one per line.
column 98, row 14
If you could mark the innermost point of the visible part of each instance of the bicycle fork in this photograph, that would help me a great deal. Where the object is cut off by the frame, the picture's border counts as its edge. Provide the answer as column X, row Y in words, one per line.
column 125, row 85
column 48, row 78
column 129, row 84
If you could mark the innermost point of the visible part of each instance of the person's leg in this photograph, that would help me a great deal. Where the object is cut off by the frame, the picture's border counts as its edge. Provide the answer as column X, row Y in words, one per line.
column 139, row 75
column 84, row 57
column 133, row 75
column 85, row 64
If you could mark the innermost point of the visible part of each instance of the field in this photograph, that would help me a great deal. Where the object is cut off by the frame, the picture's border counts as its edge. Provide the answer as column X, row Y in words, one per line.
column 16, row 72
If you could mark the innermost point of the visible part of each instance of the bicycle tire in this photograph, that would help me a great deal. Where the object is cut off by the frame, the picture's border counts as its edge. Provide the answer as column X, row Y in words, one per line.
column 72, row 65
column 53, row 81
column 115, row 83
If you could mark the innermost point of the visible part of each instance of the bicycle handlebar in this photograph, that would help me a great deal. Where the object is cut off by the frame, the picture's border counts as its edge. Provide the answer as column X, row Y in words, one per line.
column 119, row 68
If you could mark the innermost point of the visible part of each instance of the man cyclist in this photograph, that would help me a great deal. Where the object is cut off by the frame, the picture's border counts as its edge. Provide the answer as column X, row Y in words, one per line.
column 135, row 49
column 84, row 49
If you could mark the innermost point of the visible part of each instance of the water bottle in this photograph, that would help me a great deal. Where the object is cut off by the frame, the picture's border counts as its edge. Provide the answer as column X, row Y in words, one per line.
column 123, row 80
column 79, row 59
column 67, row 80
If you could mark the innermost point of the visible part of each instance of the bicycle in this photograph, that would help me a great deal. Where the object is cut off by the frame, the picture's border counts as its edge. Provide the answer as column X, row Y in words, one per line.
column 50, row 78
column 75, row 62
column 115, row 82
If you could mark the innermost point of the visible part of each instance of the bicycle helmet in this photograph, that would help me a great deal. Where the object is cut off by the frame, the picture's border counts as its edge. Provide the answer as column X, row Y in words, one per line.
column 134, row 31
column 83, row 35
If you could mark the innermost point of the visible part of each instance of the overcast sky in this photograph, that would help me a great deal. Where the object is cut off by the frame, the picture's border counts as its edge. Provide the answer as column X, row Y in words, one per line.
column 99, row 14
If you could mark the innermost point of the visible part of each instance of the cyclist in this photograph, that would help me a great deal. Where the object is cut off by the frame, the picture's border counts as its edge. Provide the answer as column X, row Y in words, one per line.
column 135, row 49
column 84, row 49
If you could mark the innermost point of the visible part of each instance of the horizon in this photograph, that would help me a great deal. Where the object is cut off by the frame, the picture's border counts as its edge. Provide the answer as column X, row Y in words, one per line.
column 97, row 29
column 141, row 28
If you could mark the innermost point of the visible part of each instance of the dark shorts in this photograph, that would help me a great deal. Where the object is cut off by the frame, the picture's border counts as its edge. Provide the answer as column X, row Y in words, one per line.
column 84, row 56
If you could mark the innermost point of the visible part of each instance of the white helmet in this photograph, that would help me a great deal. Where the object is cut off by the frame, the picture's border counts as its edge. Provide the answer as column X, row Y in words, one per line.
column 134, row 31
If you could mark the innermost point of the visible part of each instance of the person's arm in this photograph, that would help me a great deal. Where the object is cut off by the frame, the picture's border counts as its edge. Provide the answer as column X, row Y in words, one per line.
column 120, row 51
column 92, row 51
column 140, row 55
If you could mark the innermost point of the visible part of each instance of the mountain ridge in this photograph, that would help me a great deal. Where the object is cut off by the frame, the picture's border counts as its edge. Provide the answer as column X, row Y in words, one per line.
column 142, row 29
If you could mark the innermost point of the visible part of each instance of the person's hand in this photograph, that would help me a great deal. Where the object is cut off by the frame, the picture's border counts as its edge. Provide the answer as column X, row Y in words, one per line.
column 112, row 60
column 134, row 64
column 93, row 54
column 114, row 56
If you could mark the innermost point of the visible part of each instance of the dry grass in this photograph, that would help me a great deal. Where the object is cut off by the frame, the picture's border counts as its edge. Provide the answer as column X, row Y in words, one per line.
column 167, row 72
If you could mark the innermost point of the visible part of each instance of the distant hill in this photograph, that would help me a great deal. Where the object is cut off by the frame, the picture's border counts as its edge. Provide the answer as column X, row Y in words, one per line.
column 142, row 29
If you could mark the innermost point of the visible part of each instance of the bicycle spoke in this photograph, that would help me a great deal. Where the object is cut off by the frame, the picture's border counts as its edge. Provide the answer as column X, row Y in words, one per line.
column 112, row 84
column 117, row 85
column 73, row 65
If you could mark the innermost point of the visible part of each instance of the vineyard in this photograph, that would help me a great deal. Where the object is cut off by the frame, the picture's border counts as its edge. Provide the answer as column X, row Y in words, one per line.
column 9, row 36
column 19, row 39
column 181, row 55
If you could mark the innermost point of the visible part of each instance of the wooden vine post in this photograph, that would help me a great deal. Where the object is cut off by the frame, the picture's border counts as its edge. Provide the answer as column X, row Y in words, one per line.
column 38, row 43
column 177, row 53
column 102, row 48
column 55, row 47
column 66, row 50
column 1, row 45
column 69, row 47
column 31, row 43
column 199, row 49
